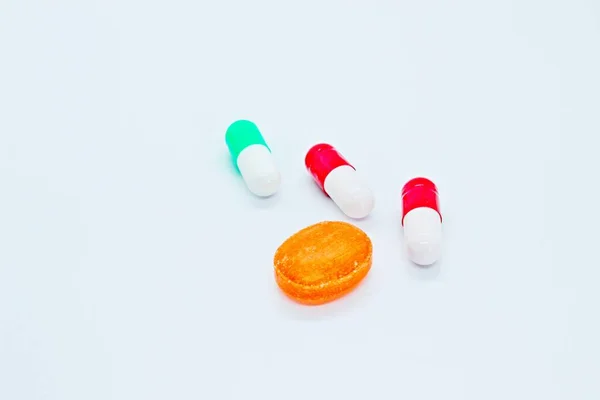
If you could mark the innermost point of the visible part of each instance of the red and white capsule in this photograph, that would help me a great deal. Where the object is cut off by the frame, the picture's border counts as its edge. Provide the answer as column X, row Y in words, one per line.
column 422, row 221
column 339, row 180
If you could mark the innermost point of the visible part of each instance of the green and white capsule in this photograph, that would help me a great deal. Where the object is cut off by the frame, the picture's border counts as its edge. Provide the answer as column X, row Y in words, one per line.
column 253, row 158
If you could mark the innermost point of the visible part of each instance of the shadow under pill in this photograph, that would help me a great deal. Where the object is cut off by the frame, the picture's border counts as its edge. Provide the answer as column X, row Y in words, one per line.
column 424, row 272
column 303, row 312
column 333, row 309
column 367, row 223
column 262, row 202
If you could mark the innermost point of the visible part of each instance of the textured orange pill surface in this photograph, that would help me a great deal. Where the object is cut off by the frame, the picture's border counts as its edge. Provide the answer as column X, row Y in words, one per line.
column 323, row 262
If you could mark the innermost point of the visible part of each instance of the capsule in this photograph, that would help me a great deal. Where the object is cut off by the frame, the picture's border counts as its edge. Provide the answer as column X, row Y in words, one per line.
column 253, row 158
column 339, row 180
column 422, row 221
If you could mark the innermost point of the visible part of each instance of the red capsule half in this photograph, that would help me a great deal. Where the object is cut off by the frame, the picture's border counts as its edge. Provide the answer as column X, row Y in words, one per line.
column 419, row 192
column 321, row 159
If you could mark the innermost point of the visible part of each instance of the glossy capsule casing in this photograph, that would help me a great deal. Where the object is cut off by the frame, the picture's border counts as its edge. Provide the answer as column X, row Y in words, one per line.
column 252, row 157
column 339, row 180
column 422, row 221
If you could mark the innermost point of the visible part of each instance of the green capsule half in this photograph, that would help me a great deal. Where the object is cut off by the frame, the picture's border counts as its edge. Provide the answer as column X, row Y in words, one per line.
column 252, row 157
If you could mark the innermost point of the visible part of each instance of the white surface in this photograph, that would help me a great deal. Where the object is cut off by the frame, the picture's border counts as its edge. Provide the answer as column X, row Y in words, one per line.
column 423, row 235
column 123, row 277
column 258, row 169
column 349, row 192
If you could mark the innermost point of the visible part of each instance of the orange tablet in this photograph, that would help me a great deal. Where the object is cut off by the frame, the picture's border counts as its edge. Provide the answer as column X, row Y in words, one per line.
column 323, row 262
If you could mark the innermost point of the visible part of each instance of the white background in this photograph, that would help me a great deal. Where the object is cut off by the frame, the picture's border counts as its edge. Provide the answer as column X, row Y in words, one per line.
column 134, row 264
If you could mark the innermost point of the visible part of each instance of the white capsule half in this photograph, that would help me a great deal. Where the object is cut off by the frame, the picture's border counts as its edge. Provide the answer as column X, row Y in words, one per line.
column 258, row 169
column 423, row 235
column 345, row 187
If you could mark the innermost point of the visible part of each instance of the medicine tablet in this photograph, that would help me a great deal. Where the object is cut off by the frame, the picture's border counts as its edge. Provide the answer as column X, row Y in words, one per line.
column 253, row 158
column 323, row 262
column 422, row 221
column 339, row 180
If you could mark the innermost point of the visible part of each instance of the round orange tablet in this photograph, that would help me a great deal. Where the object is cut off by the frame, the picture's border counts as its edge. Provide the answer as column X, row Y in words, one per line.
column 323, row 262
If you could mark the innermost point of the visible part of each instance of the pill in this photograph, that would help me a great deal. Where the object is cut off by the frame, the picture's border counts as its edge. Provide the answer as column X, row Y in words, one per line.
column 422, row 221
column 339, row 180
column 252, row 157
column 323, row 262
